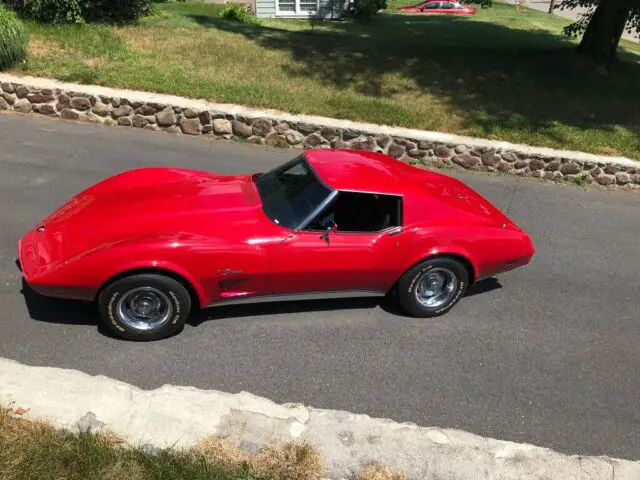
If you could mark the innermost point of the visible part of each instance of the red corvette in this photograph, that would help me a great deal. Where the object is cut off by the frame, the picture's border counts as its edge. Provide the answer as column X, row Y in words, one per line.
column 152, row 244
column 436, row 7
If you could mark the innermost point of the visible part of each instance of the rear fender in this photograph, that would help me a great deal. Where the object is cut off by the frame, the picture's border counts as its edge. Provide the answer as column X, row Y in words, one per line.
column 448, row 250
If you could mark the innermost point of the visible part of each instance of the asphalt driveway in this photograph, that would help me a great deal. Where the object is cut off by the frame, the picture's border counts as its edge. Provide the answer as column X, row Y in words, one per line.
column 549, row 354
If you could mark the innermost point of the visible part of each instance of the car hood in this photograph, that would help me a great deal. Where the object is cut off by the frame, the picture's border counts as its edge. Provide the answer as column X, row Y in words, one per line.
column 150, row 202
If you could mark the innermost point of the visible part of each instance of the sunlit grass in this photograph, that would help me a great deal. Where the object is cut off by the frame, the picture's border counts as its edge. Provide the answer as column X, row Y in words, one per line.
column 501, row 74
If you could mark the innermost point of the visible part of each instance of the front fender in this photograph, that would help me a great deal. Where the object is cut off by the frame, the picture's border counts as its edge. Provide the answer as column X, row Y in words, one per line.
column 446, row 250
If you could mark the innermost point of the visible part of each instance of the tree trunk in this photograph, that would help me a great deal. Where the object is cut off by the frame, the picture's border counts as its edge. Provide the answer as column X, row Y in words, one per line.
column 551, row 5
column 602, row 36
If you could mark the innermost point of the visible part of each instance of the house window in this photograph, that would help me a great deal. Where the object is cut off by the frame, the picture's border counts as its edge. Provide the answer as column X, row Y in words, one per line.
column 297, row 7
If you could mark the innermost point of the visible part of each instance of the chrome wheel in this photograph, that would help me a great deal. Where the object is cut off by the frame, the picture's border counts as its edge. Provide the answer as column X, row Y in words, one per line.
column 436, row 287
column 144, row 308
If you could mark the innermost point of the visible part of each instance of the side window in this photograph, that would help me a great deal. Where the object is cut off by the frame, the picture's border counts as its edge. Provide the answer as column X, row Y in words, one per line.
column 360, row 212
column 447, row 6
column 432, row 5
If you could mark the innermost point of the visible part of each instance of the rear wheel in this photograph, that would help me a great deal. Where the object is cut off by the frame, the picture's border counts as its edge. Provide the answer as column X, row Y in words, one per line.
column 144, row 306
column 432, row 287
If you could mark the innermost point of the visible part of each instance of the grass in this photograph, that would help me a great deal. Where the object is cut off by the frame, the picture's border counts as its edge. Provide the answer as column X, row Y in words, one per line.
column 34, row 451
column 501, row 74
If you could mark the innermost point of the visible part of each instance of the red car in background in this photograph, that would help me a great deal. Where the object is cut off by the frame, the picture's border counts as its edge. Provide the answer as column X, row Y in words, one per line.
column 153, row 244
column 439, row 7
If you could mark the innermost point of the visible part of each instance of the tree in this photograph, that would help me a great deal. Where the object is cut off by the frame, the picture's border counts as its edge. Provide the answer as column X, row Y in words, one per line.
column 602, row 26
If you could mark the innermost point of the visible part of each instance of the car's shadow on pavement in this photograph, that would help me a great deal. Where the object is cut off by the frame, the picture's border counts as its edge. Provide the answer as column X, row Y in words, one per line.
column 70, row 312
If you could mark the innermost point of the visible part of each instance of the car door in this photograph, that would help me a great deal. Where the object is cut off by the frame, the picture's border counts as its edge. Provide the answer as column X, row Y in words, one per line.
column 315, row 260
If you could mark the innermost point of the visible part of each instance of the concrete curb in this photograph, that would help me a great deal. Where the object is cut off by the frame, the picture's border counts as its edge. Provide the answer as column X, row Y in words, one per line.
column 174, row 416
column 179, row 115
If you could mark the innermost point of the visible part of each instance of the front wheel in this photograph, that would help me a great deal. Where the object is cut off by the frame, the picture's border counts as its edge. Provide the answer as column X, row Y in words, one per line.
column 144, row 306
column 432, row 287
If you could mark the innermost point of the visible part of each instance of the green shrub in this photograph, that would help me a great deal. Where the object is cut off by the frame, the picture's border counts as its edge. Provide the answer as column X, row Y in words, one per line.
column 13, row 39
column 52, row 11
column 239, row 12
column 116, row 11
column 365, row 10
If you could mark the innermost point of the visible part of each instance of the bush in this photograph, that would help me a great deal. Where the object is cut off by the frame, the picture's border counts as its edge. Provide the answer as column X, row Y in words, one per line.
column 239, row 12
column 52, row 11
column 116, row 11
column 13, row 39
column 365, row 10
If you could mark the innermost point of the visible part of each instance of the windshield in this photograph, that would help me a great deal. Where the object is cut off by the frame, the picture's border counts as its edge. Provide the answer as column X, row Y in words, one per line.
column 291, row 192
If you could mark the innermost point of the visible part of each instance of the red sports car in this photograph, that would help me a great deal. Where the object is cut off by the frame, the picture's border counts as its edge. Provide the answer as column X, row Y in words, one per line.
column 436, row 7
column 152, row 244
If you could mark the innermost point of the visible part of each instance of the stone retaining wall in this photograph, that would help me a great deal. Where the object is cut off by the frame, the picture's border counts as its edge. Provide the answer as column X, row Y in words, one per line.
column 191, row 117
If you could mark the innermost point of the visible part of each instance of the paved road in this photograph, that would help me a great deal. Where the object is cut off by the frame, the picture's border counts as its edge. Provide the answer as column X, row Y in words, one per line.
column 549, row 354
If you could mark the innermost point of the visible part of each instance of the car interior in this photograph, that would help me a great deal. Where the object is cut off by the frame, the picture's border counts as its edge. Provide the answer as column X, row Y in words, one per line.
column 360, row 212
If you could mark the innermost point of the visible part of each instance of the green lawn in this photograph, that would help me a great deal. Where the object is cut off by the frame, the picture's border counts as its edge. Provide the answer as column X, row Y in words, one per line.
column 501, row 74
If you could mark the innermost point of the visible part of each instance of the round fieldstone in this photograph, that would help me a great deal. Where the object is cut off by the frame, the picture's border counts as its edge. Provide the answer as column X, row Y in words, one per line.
column 477, row 151
column 383, row 141
column 553, row 165
column 69, row 114
column 115, row 101
column 396, row 151
column 536, row 164
column 490, row 159
column 122, row 111
column 173, row 129
column 606, row 180
column 275, row 140
column 39, row 97
column 10, row 98
column 466, row 161
column 340, row 145
column 415, row 153
column 7, row 87
column 64, row 101
column 282, row 128
column 124, row 121
column 510, row 157
column 261, row 127
column 101, row 109
column 611, row 169
column 205, row 117
column 460, row 149
column 314, row 140
column 166, row 118
column 47, row 109
column 330, row 134
column 622, row 178
column 23, row 106
column 424, row 145
column 537, row 174
column 367, row 144
column 520, row 164
column 442, row 151
column 570, row 169
column 294, row 137
column 151, row 119
column 3, row 104
column 349, row 135
column 147, row 110
column 21, row 91
column 139, row 121
column 504, row 166
column 191, row 113
column 307, row 128
column 241, row 129
column 256, row 139
column 81, row 104
column 190, row 126
column 222, row 126
column 151, row 126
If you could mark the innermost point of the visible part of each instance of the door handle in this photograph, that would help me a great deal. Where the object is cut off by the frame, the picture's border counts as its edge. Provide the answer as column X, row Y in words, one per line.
column 395, row 232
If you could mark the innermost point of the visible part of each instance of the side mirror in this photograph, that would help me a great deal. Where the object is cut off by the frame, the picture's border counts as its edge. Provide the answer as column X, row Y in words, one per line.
column 333, row 228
